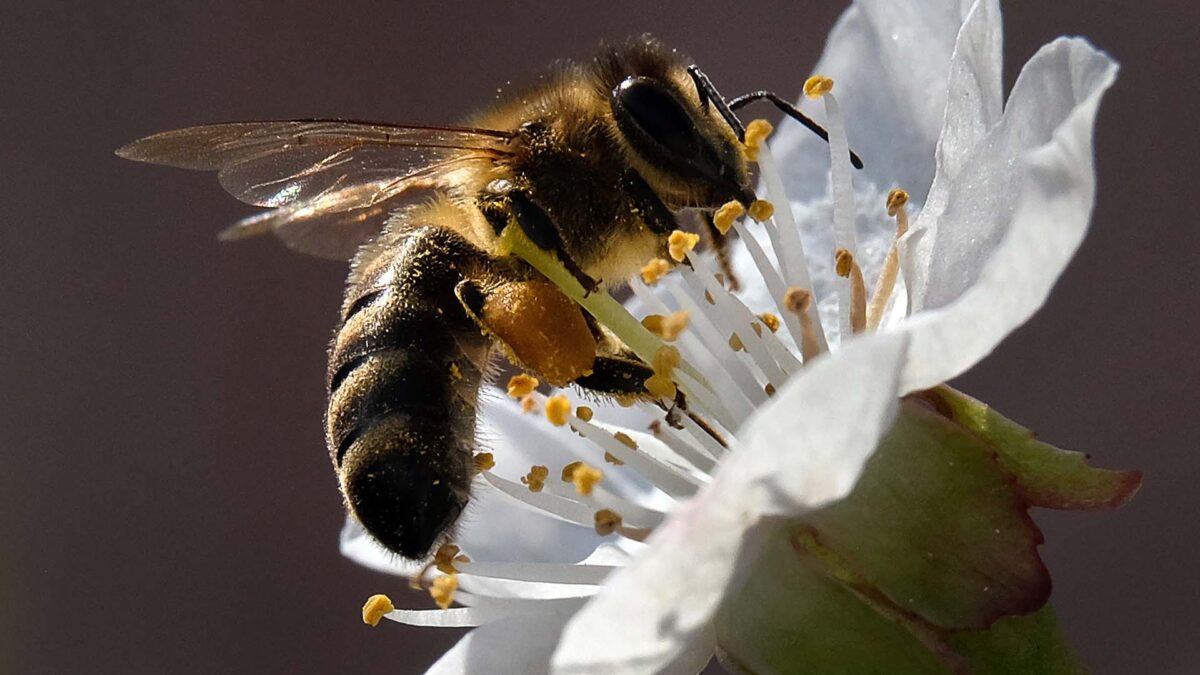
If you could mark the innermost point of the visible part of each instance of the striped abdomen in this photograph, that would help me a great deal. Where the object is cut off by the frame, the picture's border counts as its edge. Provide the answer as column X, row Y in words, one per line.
column 404, row 373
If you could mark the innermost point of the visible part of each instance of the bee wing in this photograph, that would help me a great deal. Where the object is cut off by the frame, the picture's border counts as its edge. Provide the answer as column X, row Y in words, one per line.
column 330, row 183
column 277, row 163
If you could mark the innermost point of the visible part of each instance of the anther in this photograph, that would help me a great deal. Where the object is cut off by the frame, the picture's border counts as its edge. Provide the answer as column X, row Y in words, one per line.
column 583, row 476
column 655, row 270
column 817, row 86
column 680, row 243
column 558, row 408
column 529, row 403
column 761, row 210
column 584, row 413
column 375, row 608
column 847, row 267
column 613, row 459
column 520, row 386
column 446, row 556
column 724, row 216
column 484, row 461
column 886, row 283
column 626, row 440
column 756, row 132
column 442, row 590
column 770, row 320
column 660, row 383
column 797, row 301
column 607, row 522
column 666, row 327
column 535, row 480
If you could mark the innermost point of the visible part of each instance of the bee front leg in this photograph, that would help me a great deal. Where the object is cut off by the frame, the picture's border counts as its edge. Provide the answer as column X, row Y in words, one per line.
column 502, row 202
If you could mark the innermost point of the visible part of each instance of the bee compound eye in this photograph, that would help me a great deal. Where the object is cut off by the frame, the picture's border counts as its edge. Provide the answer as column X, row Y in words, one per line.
column 658, row 114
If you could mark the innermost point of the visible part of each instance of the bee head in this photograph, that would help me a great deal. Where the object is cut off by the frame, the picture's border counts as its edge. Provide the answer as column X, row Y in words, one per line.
column 675, row 129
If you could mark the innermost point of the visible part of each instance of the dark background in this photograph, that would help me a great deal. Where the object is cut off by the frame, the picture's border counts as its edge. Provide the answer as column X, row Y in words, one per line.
column 166, row 503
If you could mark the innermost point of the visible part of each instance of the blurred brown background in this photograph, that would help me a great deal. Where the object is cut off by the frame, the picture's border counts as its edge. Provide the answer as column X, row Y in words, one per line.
column 167, row 505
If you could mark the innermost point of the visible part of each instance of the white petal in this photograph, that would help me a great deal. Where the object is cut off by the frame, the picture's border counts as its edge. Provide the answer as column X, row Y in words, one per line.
column 973, row 106
column 803, row 449
column 1062, row 86
column 889, row 60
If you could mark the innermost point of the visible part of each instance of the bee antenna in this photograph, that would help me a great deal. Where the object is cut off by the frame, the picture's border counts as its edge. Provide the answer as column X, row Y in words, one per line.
column 792, row 112
column 707, row 92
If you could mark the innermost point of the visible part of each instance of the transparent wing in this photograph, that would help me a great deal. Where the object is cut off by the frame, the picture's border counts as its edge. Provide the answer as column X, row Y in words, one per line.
column 330, row 183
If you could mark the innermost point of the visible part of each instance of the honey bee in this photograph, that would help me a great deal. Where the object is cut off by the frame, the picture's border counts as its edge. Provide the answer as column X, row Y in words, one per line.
column 593, row 164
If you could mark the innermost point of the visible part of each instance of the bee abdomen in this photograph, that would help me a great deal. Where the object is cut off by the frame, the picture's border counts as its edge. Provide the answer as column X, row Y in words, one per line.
column 404, row 373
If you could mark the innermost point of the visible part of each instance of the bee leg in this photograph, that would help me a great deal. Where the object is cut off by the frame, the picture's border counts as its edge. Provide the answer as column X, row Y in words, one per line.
column 501, row 199
column 535, row 325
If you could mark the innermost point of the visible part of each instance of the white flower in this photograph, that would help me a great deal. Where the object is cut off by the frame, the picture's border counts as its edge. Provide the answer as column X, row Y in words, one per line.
column 1003, row 194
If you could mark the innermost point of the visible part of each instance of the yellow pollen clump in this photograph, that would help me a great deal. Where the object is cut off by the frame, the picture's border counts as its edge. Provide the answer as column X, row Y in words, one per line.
column 626, row 440
column 667, row 327
column 613, row 459
column 680, row 242
column 442, row 590
column 817, row 86
column 724, row 216
column 484, row 461
column 761, row 210
column 446, row 556
column 771, row 321
column 607, row 522
column 454, row 371
column 896, row 199
column 557, row 409
column 584, row 413
column 583, row 476
column 375, row 607
column 660, row 383
column 756, row 132
column 535, row 480
column 654, row 270
column 522, row 385
column 529, row 403
column 843, row 262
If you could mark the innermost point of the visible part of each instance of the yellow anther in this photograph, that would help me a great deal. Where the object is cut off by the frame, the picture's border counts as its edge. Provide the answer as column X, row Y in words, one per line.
column 654, row 270
column 660, row 383
column 680, row 242
column 769, row 389
column 613, row 459
column 375, row 607
column 584, row 413
column 455, row 372
column 529, row 403
column 442, row 590
column 484, row 461
column 770, row 320
column 667, row 327
column 724, row 216
column 535, row 480
column 583, row 476
column 817, row 86
column 627, row 400
column 761, row 210
column 521, row 385
column 756, row 132
column 626, row 440
column 843, row 262
column 896, row 199
column 607, row 521
column 558, row 408
column 735, row 343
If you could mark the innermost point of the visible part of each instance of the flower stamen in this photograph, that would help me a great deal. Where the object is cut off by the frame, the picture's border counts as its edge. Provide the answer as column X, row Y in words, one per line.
column 896, row 201
column 847, row 268
column 442, row 590
column 798, row 301
column 375, row 608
